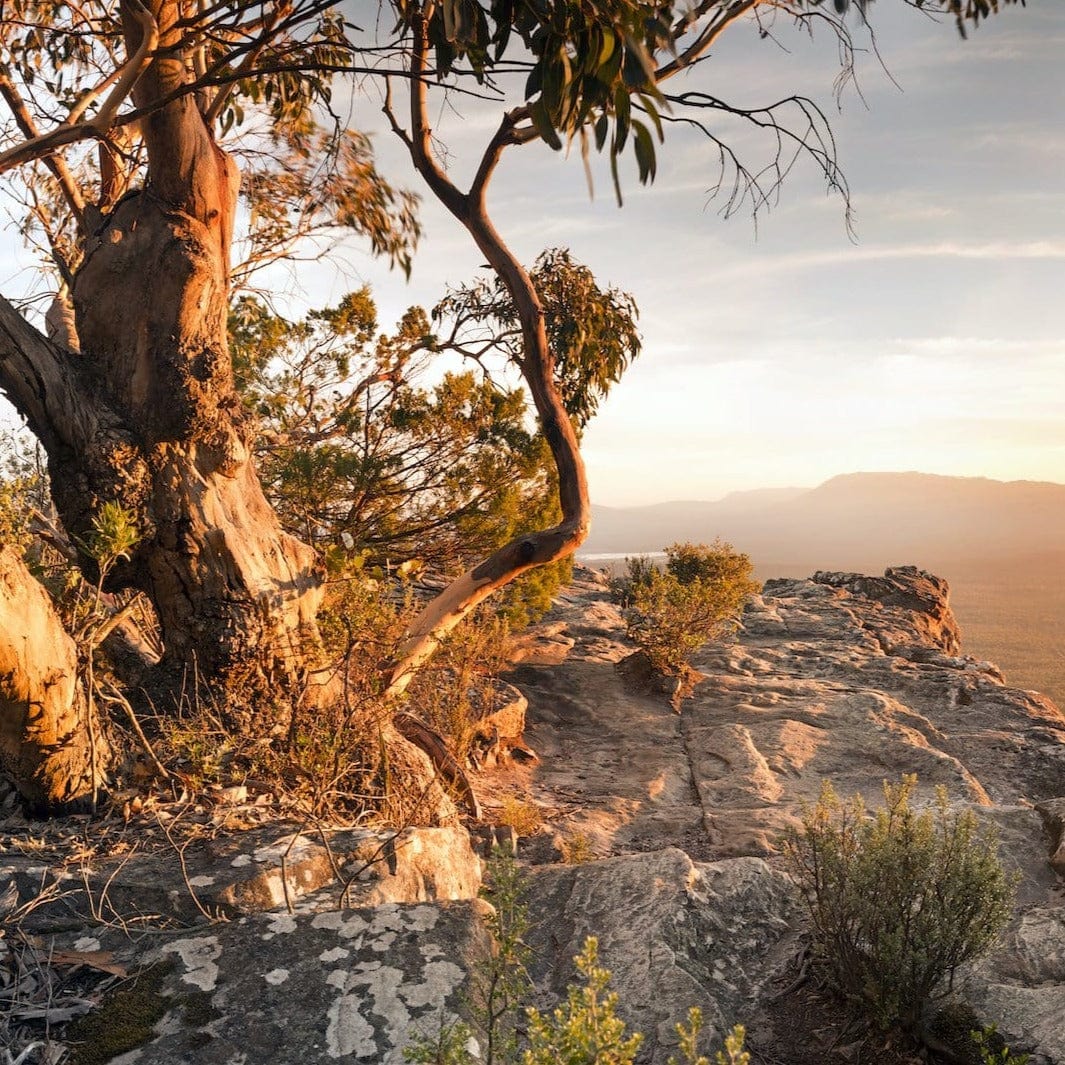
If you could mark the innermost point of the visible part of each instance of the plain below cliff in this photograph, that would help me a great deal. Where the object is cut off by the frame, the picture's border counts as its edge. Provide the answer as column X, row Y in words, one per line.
column 998, row 543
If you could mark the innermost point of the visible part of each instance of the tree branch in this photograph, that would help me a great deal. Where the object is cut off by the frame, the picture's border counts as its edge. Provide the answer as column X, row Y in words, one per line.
column 56, row 164
column 537, row 366
column 134, row 67
column 710, row 33
column 39, row 381
column 420, row 140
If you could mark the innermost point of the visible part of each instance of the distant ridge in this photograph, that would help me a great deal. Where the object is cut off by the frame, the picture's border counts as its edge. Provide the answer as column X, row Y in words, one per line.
column 855, row 520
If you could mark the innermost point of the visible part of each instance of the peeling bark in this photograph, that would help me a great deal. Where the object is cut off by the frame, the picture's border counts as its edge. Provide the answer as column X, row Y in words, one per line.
column 138, row 407
column 50, row 743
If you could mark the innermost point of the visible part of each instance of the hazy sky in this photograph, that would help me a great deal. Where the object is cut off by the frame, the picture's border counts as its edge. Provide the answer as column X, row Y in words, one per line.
column 787, row 353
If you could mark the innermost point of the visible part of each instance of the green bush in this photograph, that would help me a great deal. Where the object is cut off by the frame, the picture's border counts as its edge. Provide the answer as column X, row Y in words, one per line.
column 585, row 1030
column 697, row 598
column 898, row 900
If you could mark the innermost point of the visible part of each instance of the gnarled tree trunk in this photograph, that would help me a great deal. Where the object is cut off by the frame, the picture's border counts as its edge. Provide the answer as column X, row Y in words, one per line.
column 50, row 742
column 236, row 596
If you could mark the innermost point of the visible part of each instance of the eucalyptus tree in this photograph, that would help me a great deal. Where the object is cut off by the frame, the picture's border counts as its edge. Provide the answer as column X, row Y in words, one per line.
column 126, row 126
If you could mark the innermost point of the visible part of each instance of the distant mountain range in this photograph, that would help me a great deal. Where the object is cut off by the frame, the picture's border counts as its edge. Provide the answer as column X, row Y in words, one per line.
column 861, row 521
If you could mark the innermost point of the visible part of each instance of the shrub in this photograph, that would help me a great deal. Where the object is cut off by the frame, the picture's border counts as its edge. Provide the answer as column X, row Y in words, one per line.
column 639, row 572
column 993, row 1050
column 585, row 1030
column 576, row 849
column 523, row 816
column 688, row 1035
column 699, row 597
column 898, row 900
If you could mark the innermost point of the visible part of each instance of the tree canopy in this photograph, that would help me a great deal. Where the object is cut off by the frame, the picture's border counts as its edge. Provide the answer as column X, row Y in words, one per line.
column 132, row 130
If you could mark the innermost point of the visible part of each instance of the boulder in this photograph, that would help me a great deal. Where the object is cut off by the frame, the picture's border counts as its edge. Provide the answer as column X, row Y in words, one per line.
column 316, row 988
column 674, row 933
column 262, row 869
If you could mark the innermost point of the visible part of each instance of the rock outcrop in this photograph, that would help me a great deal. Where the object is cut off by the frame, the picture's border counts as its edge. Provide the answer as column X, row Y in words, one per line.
column 341, row 948
column 841, row 677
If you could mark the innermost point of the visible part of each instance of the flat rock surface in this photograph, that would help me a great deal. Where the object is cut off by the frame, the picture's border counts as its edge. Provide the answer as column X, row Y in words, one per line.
column 343, row 946
column 852, row 679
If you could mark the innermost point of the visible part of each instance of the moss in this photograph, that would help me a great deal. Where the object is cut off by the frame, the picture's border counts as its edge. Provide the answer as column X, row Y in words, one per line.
column 199, row 1009
column 126, row 1020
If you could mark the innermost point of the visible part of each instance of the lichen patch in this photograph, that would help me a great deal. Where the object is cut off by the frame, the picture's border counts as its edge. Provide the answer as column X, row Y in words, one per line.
column 198, row 956
column 439, row 979
column 282, row 923
column 349, row 1034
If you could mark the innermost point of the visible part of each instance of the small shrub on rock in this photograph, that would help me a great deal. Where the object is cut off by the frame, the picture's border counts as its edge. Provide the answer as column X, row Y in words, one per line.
column 898, row 900
column 586, row 1029
column 697, row 598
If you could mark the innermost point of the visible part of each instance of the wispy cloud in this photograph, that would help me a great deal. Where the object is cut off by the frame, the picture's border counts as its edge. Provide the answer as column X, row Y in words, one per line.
column 849, row 256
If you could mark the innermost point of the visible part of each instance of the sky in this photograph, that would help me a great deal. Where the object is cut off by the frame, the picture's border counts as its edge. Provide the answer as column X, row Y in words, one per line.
column 788, row 350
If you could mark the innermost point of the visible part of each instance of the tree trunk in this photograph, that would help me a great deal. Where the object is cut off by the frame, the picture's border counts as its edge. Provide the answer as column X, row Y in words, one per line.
column 144, row 414
column 50, row 742
column 236, row 596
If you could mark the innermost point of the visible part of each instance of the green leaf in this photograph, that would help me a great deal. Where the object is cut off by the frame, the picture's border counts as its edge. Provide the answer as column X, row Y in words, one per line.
column 542, row 121
column 602, row 128
column 645, row 152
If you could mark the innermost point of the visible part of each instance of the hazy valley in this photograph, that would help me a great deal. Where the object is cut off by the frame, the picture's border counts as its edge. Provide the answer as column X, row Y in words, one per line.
column 1000, row 545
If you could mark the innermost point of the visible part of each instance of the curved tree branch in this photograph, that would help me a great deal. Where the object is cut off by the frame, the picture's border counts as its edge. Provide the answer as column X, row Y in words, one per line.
column 134, row 67
column 537, row 366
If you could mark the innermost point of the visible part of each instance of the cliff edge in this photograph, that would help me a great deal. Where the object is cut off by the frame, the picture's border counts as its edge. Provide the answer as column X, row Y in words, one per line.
column 658, row 834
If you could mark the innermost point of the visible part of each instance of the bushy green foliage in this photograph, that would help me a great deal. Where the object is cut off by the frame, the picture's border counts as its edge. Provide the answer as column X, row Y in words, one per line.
column 992, row 1050
column 586, row 1029
column 114, row 535
column 688, row 1035
column 697, row 598
column 899, row 899
column 361, row 457
column 591, row 330
column 358, row 456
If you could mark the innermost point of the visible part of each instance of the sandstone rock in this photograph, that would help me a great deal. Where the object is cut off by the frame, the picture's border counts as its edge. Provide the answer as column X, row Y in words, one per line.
column 844, row 677
column 848, row 678
column 913, row 600
column 853, row 679
column 263, row 869
column 352, row 985
column 1020, row 987
column 499, row 722
column 1053, row 814
column 673, row 933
